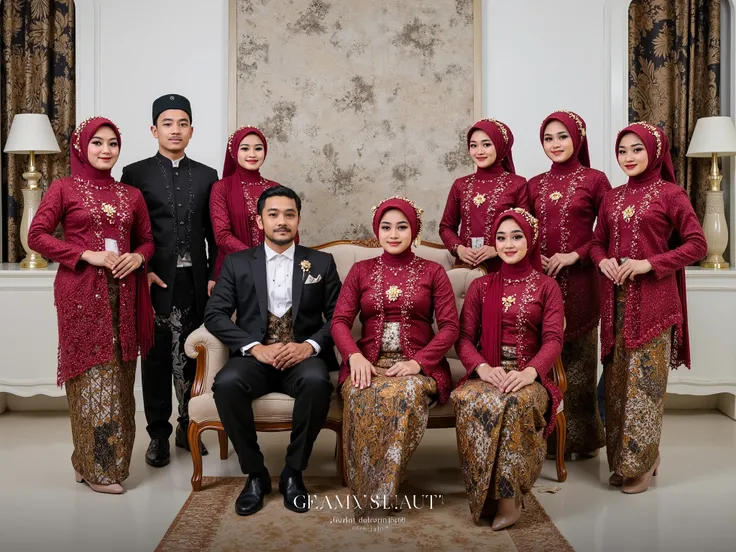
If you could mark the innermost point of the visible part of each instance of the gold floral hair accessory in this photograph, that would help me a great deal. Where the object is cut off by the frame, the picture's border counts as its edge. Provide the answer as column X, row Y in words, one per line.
column 654, row 131
column 416, row 208
column 501, row 127
column 574, row 116
column 77, row 134
column 533, row 222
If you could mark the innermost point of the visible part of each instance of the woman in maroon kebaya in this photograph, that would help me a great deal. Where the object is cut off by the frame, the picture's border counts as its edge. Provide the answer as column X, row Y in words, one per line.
column 398, row 366
column 566, row 200
column 102, row 300
column 511, row 330
column 234, row 198
column 475, row 200
column 647, row 233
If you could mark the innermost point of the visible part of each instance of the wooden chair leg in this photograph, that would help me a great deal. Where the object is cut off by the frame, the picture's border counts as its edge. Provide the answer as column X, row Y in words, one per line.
column 341, row 465
column 561, row 436
column 193, row 437
column 223, row 443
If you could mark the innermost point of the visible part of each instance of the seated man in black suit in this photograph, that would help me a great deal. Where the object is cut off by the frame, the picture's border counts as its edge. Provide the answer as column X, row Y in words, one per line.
column 284, row 295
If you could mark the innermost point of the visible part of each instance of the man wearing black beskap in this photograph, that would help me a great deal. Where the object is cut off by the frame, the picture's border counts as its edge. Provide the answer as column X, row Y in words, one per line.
column 177, row 192
column 284, row 295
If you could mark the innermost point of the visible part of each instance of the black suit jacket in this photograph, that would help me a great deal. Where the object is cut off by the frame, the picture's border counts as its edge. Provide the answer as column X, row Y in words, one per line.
column 147, row 177
column 242, row 287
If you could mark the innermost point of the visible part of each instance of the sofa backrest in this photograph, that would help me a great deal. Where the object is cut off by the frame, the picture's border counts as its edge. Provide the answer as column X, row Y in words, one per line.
column 346, row 253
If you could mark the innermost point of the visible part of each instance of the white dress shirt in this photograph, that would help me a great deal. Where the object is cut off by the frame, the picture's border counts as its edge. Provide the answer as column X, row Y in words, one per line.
column 279, row 271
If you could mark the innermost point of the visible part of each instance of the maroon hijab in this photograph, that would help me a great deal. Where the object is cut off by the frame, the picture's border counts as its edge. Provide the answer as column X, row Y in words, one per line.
column 575, row 125
column 84, row 171
column 231, row 165
column 658, row 149
column 491, row 330
column 81, row 137
column 660, row 167
column 413, row 215
column 237, row 175
column 502, row 139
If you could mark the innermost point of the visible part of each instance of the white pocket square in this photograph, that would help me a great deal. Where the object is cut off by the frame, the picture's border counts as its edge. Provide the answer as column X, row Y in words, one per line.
column 312, row 280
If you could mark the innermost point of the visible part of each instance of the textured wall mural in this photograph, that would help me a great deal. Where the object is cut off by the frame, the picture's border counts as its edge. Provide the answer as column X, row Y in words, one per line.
column 359, row 101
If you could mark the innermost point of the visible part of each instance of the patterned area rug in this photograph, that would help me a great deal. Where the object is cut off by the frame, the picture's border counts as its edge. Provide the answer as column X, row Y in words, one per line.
column 207, row 522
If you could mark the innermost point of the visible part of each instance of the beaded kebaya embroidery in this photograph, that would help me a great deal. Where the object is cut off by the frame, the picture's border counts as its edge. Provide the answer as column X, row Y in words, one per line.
column 501, row 183
column 173, row 208
column 508, row 301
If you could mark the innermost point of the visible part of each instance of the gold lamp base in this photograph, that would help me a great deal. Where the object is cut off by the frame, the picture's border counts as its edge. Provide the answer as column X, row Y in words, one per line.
column 32, row 194
column 34, row 260
column 714, row 263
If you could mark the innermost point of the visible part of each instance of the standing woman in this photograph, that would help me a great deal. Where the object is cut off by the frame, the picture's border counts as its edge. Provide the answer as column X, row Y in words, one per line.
column 566, row 200
column 102, row 300
column 234, row 198
column 398, row 366
column 475, row 200
column 647, row 234
column 511, row 330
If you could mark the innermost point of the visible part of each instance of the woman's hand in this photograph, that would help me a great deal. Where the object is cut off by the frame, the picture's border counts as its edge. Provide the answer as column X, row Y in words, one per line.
column 631, row 268
column 361, row 370
column 484, row 253
column 105, row 259
column 125, row 264
column 516, row 380
column 405, row 368
column 609, row 268
column 558, row 261
column 466, row 255
column 545, row 263
column 493, row 375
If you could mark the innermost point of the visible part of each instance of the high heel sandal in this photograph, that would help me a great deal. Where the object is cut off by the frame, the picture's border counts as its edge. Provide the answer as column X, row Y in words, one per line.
column 636, row 485
column 509, row 512
column 115, row 488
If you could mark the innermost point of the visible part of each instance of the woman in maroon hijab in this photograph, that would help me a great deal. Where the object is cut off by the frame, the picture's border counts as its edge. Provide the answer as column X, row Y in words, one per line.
column 234, row 198
column 511, row 330
column 647, row 233
column 102, row 300
column 398, row 366
column 566, row 200
column 476, row 199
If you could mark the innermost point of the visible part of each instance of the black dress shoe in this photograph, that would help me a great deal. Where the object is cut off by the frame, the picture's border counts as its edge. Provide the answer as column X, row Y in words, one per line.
column 295, row 493
column 182, row 441
column 158, row 454
column 250, row 499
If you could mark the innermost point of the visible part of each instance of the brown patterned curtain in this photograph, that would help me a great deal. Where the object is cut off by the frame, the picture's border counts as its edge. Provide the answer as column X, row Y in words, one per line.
column 37, row 77
column 674, row 77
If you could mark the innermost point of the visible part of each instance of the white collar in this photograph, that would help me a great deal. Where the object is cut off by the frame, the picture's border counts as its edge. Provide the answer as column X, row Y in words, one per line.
column 289, row 253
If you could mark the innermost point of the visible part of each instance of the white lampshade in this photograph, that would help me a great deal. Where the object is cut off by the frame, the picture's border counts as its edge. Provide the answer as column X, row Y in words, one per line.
column 31, row 132
column 713, row 135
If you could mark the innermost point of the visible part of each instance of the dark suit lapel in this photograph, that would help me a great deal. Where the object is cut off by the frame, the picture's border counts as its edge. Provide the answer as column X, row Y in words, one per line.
column 258, row 269
column 297, row 281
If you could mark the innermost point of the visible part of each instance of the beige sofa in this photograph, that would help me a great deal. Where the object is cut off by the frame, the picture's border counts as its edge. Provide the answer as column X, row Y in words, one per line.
column 272, row 412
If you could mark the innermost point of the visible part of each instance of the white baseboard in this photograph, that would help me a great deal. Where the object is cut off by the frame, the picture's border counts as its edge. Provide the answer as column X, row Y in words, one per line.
column 44, row 402
column 723, row 402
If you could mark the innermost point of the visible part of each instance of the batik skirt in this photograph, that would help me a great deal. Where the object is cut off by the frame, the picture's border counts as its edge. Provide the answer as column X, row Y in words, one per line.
column 499, row 437
column 102, row 411
column 383, row 425
column 636, row 384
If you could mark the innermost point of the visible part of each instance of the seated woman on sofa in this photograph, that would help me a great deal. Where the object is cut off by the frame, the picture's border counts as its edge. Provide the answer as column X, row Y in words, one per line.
column 511, row 330
column 398, row 366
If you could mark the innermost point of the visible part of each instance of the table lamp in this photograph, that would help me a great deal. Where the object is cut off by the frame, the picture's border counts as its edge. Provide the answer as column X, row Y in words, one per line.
column 714, row 137
column 31, row 134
